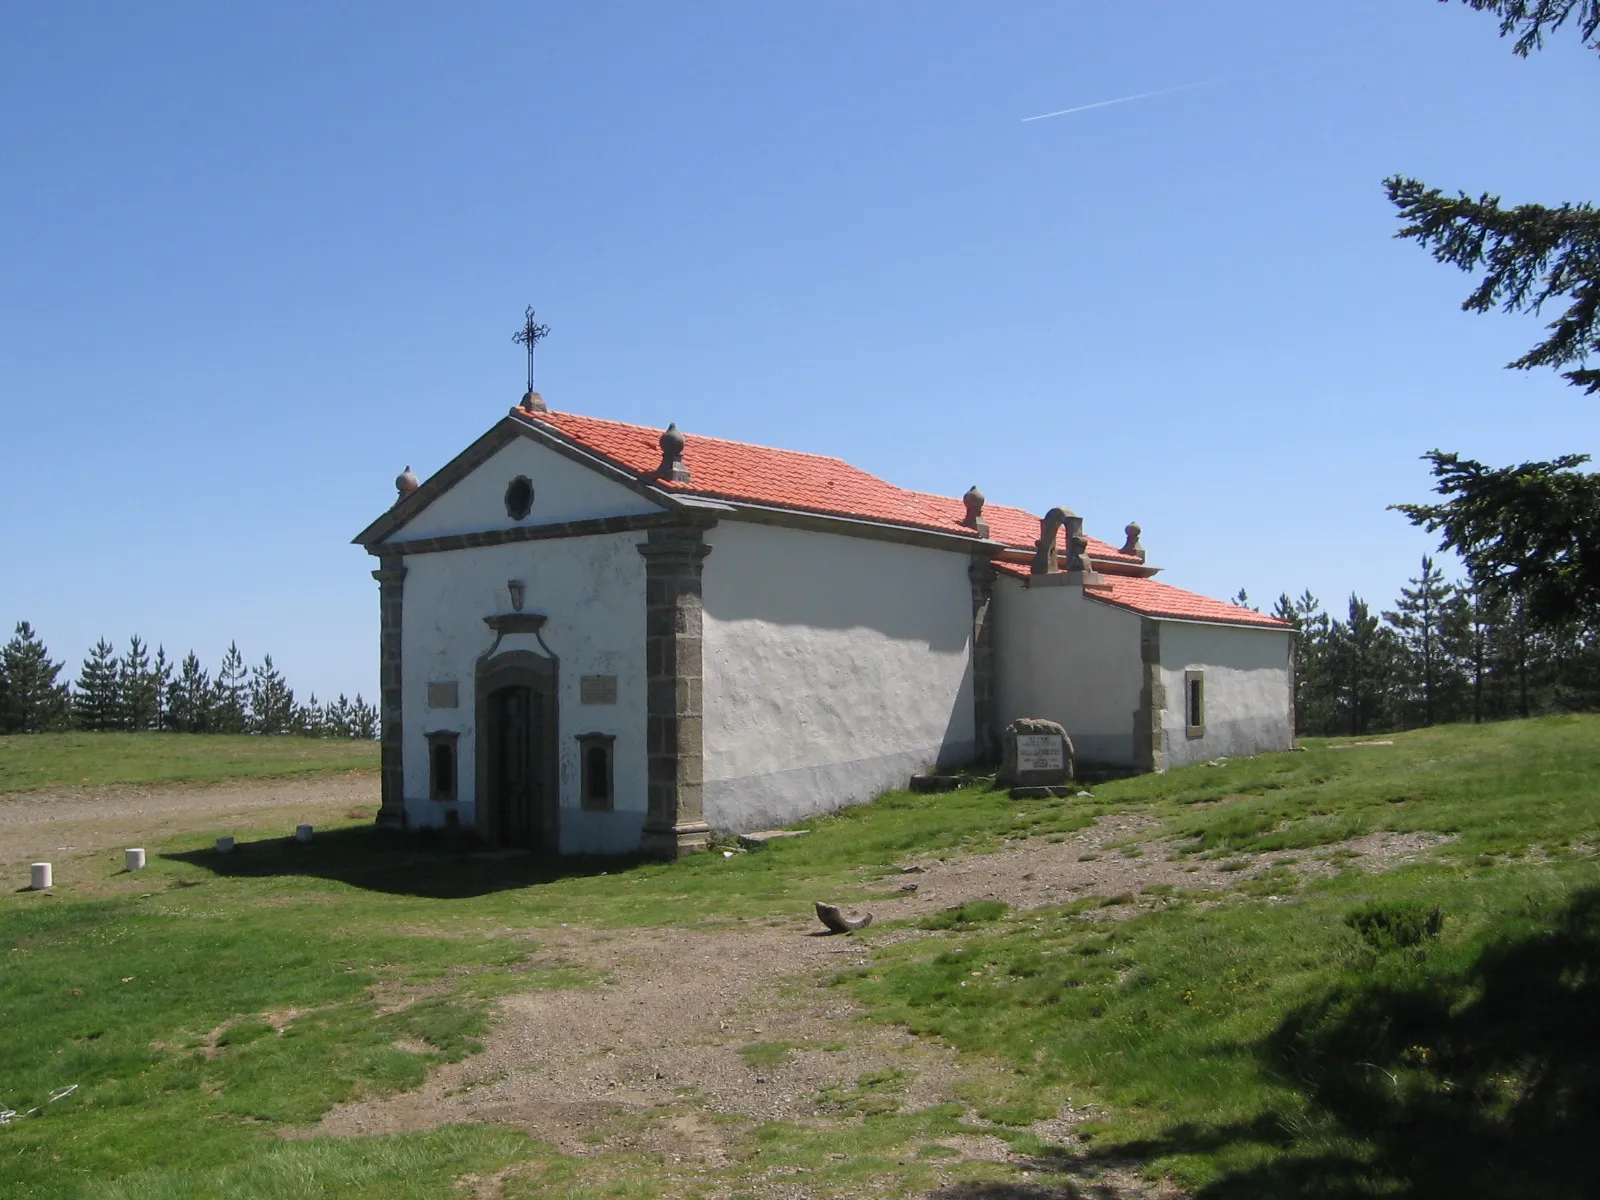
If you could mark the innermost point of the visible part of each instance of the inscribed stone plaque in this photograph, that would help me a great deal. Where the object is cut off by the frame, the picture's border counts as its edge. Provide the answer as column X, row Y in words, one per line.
column 1040, row 752
column 1036, row 753
column 597, row 689
column 444, row 695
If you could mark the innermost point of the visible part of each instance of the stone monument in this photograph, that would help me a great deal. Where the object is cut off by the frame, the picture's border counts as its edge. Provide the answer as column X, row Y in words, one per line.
column 1037, row 758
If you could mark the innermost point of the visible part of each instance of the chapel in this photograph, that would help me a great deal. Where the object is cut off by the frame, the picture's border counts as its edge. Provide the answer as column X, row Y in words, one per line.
column 598, row 637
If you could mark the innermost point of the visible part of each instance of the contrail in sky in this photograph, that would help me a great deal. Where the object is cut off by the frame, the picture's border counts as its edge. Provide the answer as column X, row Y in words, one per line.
column 1120, row 100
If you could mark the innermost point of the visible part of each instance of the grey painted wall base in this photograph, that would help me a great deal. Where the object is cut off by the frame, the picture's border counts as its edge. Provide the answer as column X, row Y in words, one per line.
column 783, row 797
column 1105, row 749
column 1231, row 739
column 600, row 832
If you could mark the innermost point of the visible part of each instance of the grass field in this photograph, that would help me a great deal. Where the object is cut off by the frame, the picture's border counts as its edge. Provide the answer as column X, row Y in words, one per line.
column 1430, row 1030
column 63, row 760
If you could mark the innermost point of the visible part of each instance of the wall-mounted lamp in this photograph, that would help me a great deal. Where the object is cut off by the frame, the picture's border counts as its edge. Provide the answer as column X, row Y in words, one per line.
column 517, row 590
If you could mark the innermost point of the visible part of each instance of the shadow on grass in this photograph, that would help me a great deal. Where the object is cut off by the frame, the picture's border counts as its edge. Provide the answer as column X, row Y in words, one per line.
column 1477, row 1080
column 400, row 864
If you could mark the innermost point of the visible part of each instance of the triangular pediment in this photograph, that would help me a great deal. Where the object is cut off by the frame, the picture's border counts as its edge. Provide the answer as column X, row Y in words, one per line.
column 474, row 493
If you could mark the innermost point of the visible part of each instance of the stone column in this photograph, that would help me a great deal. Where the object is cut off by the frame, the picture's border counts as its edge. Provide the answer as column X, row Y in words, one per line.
column 391, row 577
column 1149, row 748
column 673, row 558
column 985, row 735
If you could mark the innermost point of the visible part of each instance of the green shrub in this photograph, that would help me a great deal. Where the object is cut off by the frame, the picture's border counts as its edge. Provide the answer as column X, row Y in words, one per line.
column 1395, row 925
column 970, row 913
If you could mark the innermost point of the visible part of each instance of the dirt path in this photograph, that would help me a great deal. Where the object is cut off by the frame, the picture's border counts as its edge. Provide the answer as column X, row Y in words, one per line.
column 70, row 823
column 698, row 1035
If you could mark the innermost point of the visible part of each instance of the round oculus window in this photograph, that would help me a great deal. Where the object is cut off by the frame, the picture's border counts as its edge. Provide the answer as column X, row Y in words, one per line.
column 519, row 497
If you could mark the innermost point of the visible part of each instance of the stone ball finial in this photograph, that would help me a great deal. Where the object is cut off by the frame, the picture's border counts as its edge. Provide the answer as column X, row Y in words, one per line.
column 1132, row 546
column 974, row 500
column 672, row 466
column 405, row 483
column 532, row 402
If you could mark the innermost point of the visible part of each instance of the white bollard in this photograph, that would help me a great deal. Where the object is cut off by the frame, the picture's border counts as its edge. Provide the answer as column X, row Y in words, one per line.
column 302, row 833
column 133, row 860
column 224, row 845
column 39, row 876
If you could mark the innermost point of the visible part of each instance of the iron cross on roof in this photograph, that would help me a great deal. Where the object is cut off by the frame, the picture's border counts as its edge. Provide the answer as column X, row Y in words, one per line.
column 530, row 335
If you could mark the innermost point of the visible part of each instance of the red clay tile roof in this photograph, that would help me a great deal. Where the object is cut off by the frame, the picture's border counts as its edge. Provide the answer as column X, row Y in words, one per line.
column 1152, row 599
column 790, row 479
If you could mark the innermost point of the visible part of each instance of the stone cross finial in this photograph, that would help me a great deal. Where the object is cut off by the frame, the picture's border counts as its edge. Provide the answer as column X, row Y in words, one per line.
column 974, row 518
column 1131, row 546
column 672, row 465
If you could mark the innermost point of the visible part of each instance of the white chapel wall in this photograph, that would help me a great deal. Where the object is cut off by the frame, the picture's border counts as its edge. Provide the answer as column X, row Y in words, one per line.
column 591, row 589
column 1068, row 659
column 1246, row 690
column 834, row 669
column 563, row 491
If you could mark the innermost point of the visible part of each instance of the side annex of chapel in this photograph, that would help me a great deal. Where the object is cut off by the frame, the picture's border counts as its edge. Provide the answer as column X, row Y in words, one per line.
column 598, row 637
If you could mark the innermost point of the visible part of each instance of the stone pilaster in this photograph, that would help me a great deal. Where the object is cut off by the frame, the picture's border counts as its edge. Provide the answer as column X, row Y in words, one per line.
column 391, row 577
column 675, row 824
column 1149, row 747
column 985, row 732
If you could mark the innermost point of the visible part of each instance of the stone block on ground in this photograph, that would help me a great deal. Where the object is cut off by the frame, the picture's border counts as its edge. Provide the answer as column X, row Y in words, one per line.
column 762, row 836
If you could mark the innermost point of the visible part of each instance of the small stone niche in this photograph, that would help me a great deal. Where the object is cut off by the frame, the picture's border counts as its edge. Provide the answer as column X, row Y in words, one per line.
column 1037, row 754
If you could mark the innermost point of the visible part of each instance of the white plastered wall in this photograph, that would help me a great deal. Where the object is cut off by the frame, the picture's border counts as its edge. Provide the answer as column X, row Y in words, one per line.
column 591, row 590
column 834, row 669
column 1246, row 690
column 563, row 490
column 1068, row 659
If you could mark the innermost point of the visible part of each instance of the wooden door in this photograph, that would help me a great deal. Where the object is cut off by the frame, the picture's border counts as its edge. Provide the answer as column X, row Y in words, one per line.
column 519, row 739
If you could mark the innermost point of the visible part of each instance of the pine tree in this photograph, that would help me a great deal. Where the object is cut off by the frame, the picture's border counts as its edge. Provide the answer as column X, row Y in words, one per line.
column 1314, row 690
column 137, row 687
column 31, row 701
column 337, row 718
column 97, row 704
column 161, row 682
column 1362, row 655
column 230, row 701
column 308, row 719
column 271, row 699
column 189, row 698
column 365, row 722
column 1420, row 617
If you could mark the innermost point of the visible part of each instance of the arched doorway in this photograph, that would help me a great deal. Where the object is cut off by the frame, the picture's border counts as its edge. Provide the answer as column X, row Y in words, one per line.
column 517, row 778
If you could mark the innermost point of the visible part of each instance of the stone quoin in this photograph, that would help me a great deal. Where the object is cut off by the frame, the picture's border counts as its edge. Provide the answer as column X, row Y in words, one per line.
column 598, row 637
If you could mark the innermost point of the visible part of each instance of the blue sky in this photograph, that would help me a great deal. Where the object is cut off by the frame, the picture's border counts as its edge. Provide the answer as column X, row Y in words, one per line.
column 256, row 259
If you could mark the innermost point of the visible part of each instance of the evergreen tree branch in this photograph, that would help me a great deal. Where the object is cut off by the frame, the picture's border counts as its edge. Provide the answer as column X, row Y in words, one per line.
column 1530, row 255
column 1528, row 20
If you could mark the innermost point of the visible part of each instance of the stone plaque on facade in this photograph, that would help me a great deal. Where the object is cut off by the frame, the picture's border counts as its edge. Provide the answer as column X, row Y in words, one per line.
column 597, row 689
column 444, row 695
column 1036, row 753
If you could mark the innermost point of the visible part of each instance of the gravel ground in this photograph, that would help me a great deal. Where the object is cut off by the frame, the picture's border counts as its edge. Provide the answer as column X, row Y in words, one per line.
column 65, row 824
column 650, row 1060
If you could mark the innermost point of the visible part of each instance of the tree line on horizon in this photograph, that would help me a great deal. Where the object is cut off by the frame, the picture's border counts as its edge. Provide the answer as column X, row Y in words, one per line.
column 1446, row 652
column 137, row 691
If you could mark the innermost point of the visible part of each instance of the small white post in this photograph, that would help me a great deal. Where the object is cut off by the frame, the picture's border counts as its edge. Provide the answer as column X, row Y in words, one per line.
column 302, row 833
column 133, row 859
column 225, row 845
column 39, row 876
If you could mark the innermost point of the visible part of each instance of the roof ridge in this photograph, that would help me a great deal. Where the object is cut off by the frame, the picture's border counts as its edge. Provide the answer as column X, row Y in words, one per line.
column 706, row 437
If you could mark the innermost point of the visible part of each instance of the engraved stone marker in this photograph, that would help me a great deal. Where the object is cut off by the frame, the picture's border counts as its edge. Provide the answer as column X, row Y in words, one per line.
column 597, row 689
column 444, row 695
column 1036, row 753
